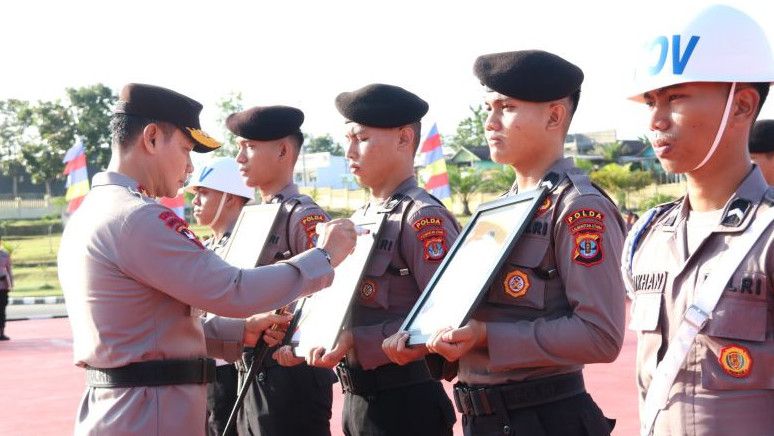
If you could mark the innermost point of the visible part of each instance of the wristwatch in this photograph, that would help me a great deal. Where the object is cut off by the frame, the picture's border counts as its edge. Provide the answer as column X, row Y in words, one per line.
column 326, row 254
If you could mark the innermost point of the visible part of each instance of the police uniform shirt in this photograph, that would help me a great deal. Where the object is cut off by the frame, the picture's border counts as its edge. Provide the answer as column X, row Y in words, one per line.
column 295, row 233
column 558, row 301
column 130, row 271
column 415, row 238
column 725, row 385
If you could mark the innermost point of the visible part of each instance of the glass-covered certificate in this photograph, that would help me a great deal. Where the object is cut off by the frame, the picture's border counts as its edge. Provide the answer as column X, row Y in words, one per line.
column 322, row 315
column 468, row 269
column 250, row 234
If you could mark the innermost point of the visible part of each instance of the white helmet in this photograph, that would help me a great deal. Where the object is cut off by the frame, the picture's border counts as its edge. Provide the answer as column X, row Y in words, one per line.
column 720, row 44
column 221, row 175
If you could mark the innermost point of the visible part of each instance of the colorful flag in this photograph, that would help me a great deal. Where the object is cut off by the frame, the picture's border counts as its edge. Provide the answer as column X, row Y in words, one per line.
column 177, row 204
column 434, row 175
column 77, row 176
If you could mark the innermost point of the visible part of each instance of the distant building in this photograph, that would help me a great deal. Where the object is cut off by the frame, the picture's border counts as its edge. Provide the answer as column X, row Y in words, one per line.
column 477, row 158
column 323, row 170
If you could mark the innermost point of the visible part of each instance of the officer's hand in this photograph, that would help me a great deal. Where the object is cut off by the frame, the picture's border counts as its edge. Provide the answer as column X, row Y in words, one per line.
column 338, row 238
column 454, row 343
column 285, row 357
column 257, row 324
column 396, row 349
column 319, row 358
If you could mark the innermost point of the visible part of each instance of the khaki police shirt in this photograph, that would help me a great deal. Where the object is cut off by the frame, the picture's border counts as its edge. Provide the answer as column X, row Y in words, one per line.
column 726, row 385
column 416, row 236
column 131, row 271
column 558, row 302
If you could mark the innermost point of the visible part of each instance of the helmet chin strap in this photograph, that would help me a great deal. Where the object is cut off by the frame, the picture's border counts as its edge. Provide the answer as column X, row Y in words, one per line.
column 220, row 208
column 721, row 128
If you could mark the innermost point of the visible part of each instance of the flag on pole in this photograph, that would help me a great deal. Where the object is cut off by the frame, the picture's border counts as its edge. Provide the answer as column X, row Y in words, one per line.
column 434, row 175
column 77, row 176
column 177, row 204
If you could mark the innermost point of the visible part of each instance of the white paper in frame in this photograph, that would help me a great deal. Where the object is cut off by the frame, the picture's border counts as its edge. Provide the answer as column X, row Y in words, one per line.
column 251, row 231
column 323, row 314
column 468, row 269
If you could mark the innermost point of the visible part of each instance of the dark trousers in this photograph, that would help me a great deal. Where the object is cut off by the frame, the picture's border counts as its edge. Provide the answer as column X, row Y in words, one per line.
column 3, row 305
column 577, row 415
column 288, row 401
column 422, row 409
column 221, row 396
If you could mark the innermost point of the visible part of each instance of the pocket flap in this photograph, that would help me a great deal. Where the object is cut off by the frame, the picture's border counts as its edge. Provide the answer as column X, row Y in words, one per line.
column 645, row 311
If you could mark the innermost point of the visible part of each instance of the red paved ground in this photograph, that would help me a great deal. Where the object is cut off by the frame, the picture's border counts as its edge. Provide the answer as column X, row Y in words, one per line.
column 40, row 388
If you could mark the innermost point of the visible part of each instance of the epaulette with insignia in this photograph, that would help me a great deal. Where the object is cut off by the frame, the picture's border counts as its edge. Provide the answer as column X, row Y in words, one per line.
column 391, row 203
column 736, row 212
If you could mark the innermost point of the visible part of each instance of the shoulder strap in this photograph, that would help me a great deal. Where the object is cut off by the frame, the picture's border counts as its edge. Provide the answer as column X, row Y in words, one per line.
column 288, row 206
column 696, row 317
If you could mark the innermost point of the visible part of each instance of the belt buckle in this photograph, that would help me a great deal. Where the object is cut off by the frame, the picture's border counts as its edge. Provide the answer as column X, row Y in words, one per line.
column 695, row 316
column 344, row 378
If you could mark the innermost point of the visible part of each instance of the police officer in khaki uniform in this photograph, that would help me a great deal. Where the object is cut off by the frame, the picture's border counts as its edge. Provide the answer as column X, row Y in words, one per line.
column 720, row 352
column 762, row 148
column 382, row 128
column 557, row 303
column 281, row 400
column 219, row 195
column 133, row 276
column 6, row 285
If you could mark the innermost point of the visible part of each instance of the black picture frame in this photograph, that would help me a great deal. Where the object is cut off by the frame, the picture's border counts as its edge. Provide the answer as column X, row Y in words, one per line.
column 470, row 266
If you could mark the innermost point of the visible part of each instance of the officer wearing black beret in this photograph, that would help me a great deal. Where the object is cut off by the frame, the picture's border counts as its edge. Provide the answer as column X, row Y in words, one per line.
column 762, row 148
column 281, row 401
column 556, row 303
column 382, row 125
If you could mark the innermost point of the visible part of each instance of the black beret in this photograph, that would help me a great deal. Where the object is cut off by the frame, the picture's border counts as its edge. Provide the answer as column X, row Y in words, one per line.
column 529, row 75
column 379, row 105
column 762, row 137
column 162, row 104
column 265, row 123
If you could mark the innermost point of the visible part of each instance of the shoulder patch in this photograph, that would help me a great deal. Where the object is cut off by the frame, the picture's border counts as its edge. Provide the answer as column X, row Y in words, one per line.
column 588, row 248
column 431, row 233
column 309, row 222
column 516, row 283
column 179, row 225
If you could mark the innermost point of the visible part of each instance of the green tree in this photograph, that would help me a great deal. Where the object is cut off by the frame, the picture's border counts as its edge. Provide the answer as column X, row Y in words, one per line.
column 15, row 116
column 316, row 144
column 464, row 182
column 92, row 108
column 498, row 180
column 610, row 151
column 54, row 132
column 228, row 105
column 620, row 180
column 470, row 131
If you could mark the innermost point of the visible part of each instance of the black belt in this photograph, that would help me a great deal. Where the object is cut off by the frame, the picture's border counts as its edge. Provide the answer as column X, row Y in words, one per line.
column 153, row 373
column 361, row 382
column 478, row 401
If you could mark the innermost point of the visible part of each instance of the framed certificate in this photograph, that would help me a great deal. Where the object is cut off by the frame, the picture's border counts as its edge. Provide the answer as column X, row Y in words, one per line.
column 250, row 234
column 322, row 315
column 468, row 269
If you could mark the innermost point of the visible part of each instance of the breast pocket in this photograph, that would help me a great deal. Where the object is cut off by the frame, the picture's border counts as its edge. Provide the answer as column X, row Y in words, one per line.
column 645, row 311
column 374, row 287
column 520, row 281
column 742, row 310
